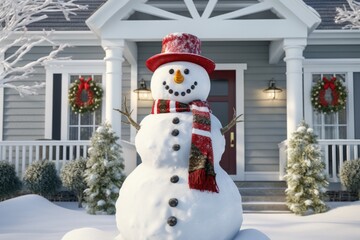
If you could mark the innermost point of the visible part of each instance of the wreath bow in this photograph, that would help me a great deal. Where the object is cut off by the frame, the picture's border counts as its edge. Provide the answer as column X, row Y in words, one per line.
column 84, row 84
column 329, row 83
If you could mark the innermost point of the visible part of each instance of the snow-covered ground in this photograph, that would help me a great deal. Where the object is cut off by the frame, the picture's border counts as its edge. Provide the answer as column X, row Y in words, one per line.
column 32, row 217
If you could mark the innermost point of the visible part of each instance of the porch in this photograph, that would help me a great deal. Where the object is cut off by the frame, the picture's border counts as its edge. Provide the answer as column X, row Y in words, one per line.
column 334, row 154
column 23, row 153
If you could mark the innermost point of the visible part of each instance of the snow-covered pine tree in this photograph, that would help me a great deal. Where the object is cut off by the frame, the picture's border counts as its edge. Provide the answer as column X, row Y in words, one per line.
column 104, row 171
column 305, row 173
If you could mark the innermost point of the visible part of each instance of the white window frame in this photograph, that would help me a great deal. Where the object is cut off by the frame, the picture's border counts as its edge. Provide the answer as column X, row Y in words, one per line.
column 67, row 68
column 330, row 66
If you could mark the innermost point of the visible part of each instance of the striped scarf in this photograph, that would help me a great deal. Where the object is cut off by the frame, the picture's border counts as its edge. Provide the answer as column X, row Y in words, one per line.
column 201, row 160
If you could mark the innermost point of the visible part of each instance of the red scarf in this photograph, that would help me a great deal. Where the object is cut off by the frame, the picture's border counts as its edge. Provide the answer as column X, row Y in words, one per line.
column 201, row 160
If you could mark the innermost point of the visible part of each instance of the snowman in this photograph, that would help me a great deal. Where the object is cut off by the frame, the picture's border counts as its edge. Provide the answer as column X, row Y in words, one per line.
column 179, row 191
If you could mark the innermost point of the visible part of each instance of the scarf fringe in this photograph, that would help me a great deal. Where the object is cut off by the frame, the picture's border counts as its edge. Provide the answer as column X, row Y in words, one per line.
column 199, row 180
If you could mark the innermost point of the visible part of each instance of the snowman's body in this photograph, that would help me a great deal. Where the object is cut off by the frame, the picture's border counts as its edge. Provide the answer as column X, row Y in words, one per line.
column 163, row 143
column 143, row 205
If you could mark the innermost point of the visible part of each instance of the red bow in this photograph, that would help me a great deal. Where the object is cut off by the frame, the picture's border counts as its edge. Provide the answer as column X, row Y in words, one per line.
column 84, row 84
column 329, row 83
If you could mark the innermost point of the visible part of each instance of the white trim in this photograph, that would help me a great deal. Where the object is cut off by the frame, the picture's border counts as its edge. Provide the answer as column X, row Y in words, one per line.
column 130, row 54
column 298, row 21
column 240, row 129
column 262, row 176
column 67, row 67
column 347, row 66
column 334, row 37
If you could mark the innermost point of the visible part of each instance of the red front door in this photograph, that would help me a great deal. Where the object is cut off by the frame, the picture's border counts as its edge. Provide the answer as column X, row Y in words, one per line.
column 222, row 103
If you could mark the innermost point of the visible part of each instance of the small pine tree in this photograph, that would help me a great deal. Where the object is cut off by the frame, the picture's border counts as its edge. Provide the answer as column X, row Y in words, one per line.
column 41, row 178
column 9, row 182
column 72, row 177
column 305, row 175
column 350, row 175
column 104, row 171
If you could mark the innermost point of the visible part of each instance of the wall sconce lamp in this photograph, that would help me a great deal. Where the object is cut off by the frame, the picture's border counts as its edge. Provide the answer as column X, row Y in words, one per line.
column 272, row 89
column 143, row 92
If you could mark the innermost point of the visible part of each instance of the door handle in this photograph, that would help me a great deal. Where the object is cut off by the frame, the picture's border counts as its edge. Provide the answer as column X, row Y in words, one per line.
column 232, row 139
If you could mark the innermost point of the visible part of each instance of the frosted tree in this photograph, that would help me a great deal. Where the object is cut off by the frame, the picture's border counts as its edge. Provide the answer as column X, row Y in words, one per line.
column 305, row 173
column 15, row 17
column 104, row 171
column 349, row 15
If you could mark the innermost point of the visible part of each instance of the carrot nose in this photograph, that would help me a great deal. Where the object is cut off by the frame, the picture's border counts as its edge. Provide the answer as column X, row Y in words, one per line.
column 178, row 78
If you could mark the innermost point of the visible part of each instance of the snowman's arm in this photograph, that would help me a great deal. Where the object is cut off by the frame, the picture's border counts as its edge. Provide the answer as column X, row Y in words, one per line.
column 129, row 118
column 232, row 123
column 127, row 114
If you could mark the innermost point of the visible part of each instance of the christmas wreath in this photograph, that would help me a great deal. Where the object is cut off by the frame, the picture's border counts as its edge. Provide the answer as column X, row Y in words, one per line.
column 328, row 96
column 85, row 95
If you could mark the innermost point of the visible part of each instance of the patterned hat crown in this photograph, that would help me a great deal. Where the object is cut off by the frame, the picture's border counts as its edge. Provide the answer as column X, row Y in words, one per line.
column 180, row 47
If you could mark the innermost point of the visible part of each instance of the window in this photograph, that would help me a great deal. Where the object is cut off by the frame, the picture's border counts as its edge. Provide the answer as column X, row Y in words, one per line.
column 81, row 126
column 70, row 126
column 338, row 125
column 334, row 125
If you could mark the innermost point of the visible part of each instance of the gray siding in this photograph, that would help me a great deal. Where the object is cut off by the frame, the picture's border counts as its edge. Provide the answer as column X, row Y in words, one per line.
column 24, row 117
column 265, row 120
column 332, row 51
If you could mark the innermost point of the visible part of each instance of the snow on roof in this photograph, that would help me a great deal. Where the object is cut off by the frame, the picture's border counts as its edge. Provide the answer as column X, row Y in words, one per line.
column 326, row 9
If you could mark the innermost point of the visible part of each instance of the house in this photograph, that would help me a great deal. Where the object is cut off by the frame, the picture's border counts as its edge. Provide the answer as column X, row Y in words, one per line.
column 293, row 42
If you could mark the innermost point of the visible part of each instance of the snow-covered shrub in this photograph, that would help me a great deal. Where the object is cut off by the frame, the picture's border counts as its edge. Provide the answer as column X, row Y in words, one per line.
column 41, row 178
column 104, row 171
column 9, row 182
column 305, row 173
column 350, row 175
column 72, row 177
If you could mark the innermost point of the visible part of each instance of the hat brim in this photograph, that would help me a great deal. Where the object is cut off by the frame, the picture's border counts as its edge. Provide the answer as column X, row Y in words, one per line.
column 159, row 59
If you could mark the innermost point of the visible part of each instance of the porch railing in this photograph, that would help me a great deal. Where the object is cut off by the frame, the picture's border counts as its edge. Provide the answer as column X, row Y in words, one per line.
column 334, row 154
column 23, row 153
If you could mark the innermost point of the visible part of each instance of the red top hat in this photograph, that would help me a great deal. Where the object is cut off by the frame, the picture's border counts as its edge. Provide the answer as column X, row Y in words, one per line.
column 180, row 47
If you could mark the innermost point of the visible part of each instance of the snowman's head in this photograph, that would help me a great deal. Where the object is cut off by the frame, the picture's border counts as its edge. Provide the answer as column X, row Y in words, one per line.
column 180, row 81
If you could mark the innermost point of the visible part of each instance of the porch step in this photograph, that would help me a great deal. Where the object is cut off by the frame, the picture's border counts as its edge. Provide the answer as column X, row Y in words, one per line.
column 263, row 197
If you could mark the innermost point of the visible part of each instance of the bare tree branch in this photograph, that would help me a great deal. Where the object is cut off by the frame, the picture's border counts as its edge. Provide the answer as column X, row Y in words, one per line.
column 232, row 123
column 125, row 111
column 351, row 16
column 15, row 16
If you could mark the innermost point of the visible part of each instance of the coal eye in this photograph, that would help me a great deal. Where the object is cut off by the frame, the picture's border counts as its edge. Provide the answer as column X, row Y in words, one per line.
column 186, row 71
column 171, row 71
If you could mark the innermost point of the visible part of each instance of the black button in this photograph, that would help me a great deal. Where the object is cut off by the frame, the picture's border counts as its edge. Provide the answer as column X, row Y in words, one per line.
column 175, row 132
column 176, row 147
column 174, row 179
column 176, row 120
column 173, row 202
column 172, row 221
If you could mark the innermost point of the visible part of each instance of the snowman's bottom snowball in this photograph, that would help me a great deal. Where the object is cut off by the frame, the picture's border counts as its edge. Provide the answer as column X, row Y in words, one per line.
column 87, row 234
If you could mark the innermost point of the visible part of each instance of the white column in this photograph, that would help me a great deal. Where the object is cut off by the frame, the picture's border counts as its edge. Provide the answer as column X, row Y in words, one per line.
column 113, row 84
column 294, row 88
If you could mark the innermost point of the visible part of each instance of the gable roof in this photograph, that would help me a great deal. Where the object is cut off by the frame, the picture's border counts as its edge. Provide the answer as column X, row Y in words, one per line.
column 326, row 9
